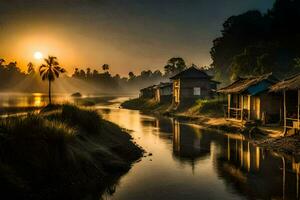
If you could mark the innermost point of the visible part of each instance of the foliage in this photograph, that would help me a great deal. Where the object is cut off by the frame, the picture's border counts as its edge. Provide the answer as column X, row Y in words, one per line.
column 174, row 65
column 256, row 43
column 44, row 151
column 50, row 71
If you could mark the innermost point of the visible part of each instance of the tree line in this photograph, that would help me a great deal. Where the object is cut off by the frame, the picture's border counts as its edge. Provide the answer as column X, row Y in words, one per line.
column 254, row 43
column 12, row 78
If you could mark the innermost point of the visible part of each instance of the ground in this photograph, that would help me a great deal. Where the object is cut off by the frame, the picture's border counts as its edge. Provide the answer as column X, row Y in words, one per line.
column 209, row 114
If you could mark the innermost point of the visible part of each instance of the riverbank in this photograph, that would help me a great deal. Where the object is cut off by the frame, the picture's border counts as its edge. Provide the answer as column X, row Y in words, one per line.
column 63, row 153
column 209, row 114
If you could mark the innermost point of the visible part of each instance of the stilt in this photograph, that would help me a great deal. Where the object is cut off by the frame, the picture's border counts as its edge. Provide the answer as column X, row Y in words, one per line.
column 284, row 112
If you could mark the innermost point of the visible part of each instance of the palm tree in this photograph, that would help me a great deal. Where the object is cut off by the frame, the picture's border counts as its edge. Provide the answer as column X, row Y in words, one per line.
column 30, row 68
column 50, row 71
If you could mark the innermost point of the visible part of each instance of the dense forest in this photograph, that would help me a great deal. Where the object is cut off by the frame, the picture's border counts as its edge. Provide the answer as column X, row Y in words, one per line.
column 255, row 43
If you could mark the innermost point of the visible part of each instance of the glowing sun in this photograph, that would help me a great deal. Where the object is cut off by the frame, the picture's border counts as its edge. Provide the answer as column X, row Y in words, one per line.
column 38, row 55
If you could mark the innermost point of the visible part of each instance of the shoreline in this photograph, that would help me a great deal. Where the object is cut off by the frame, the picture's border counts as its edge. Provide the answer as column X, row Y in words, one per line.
column 262, row 136
column 64, row 151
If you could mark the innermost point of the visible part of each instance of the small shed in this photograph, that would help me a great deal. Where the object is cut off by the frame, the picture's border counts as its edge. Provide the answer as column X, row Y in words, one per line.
column 192, row 84
column 148, row 92
column 249, row 99
column 290, row 89
column 163, row 92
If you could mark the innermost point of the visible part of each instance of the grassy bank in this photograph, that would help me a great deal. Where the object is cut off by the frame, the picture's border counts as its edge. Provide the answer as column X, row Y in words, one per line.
column 199, row 108
column 62, row 153
column 209, row 114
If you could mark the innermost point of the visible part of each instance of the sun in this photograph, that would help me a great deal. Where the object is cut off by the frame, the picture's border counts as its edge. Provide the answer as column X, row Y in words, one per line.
column 38, row 55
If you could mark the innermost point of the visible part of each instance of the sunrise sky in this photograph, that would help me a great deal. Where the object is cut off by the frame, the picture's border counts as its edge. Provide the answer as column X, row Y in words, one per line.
column 129, row 35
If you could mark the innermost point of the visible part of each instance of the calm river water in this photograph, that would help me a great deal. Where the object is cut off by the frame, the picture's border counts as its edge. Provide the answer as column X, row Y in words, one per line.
column 189, row 162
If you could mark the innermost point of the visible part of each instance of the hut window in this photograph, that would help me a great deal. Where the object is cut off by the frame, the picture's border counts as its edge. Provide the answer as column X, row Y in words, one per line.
column 197, row 91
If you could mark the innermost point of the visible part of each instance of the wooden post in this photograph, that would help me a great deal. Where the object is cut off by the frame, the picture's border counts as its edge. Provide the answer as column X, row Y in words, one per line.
column 298, row 111
column 249, row 107
column 242, row 108
column 229, row 104
column 236, row 107
column 284, row 112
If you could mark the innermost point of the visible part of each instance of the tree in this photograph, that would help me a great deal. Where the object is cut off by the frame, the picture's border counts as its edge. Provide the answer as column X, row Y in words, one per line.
column 2, row 61
column 174, row 65
column 88, row 73
column 253, row 43
column 105, row 67
column 30, row 68
column 131, row 75
column 50, row 71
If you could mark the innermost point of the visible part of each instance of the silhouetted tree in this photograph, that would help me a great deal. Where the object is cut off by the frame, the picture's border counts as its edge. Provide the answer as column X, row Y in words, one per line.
column 50, row 71
column 2, row 61
column 105, row 67
column 253, row 43
column 131, row 75
column 30, row 68
column 174, row 65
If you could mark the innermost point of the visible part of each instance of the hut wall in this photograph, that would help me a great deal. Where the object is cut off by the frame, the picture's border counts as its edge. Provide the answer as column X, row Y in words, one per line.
column 270, row 107
column 187, row 88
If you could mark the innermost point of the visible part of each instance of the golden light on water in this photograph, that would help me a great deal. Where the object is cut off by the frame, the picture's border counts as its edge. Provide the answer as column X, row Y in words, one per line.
column 38, row 55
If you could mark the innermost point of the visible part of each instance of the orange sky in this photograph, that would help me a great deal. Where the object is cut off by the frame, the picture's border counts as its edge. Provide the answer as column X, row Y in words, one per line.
column 128, row 35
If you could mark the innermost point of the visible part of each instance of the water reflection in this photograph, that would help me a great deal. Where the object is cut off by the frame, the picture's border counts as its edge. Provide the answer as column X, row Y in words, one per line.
column 30, row 99
column 201, row 163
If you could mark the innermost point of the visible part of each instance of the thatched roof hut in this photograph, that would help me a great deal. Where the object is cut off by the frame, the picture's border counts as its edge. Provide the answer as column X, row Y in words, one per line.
column 248, row 99
column 292, row 83
column 242, row 85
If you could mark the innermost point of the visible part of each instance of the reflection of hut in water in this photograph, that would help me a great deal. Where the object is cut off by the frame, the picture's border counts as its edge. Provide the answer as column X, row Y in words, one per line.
column 189, row 144
column 164, row 125
column 255, row 173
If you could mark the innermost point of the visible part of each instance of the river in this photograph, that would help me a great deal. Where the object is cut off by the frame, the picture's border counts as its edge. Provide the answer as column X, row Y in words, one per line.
column 189, row 162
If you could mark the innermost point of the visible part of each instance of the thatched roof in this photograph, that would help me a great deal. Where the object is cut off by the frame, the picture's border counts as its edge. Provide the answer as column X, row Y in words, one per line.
column 292, row 83
column 243, row 84
column 148, row 88
column 164, row 84
column 192, row 72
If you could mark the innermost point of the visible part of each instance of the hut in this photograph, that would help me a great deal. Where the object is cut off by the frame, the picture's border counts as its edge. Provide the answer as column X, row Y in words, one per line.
column 148, row 92
column 290, row 88
column 249, row 99
column 163, row 92
column 192, row 84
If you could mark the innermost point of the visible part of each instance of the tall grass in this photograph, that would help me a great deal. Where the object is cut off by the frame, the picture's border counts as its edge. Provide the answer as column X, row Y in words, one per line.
column 212, row 107
column 60, row 148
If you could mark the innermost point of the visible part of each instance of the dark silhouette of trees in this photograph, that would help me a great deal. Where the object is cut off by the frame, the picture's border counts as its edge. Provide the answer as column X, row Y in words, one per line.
column 30, row 68
column 253, row 43
column 131, row 75
column 174, row 65
column 105, row 67
column 50, row 71
column 2, row 61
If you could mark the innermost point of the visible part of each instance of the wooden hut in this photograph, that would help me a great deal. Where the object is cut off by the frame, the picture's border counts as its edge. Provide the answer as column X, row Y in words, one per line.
column 290, row 88
column 249, row 99
column 192, row 84
column 148, row 92
column 163, row 92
